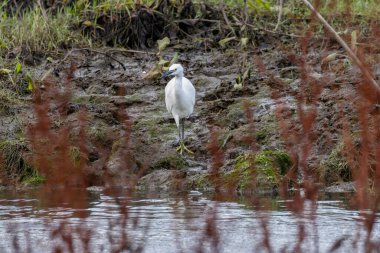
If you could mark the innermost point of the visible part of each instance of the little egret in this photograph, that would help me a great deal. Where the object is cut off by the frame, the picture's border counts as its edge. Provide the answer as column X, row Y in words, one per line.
column 179, row 100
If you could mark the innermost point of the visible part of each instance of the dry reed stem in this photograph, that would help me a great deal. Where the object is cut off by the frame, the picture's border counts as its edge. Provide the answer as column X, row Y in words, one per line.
column 365, row 71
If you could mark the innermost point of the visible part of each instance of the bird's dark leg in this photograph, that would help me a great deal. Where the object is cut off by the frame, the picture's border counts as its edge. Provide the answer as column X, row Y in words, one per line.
column 183, row 128
column 179, row 131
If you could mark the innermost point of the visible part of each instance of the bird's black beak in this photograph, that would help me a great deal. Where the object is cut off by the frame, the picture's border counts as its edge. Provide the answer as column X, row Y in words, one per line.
column 167, row 73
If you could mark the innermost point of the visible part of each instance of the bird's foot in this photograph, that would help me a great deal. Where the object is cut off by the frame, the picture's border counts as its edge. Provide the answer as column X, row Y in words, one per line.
column 182, row 148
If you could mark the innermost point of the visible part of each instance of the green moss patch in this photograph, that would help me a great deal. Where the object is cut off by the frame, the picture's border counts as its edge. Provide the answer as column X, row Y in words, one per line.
column 151, row 124
column 134, row 99
column 261, row 136
column 263, row 170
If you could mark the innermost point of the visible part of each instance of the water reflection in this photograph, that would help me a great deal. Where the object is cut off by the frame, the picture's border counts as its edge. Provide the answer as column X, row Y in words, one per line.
column 163, row 223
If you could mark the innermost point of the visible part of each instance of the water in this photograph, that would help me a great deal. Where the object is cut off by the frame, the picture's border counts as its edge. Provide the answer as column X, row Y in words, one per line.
column 170, row 224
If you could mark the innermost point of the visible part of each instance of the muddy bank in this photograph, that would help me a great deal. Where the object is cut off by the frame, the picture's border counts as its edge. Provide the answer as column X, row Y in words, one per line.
column 255, row 111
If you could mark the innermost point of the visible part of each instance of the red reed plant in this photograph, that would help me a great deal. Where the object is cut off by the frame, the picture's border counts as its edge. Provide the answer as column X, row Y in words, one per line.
column 298, row 132
column 66, row 174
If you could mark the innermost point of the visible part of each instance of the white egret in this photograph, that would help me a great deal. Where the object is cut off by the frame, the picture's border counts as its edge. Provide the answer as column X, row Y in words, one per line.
column 179, row 100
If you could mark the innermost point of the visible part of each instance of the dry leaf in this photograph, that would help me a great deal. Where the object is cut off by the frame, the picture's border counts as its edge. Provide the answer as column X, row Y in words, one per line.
column 223, row 42
column 328, row 58
column 5, row 71
column 154, row 73
column 175, row 59
column 244, row 42
column 354, row 40
column 162, row 44
column 87, row 23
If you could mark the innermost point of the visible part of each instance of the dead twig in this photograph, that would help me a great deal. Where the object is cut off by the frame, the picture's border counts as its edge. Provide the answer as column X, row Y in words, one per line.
column 228, row 22
column 245, row 12
column 47, row 73
column 122, row 50
column 196, row 20
column 103, row 53
column 43, row 11
column 106, row 53
column 273, row 32
column 279, row 14
column 290, row 68
column 89, row 50
column 367, row 75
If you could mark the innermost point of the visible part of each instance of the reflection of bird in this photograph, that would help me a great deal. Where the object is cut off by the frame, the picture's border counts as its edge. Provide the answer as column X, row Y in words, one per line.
column 179, row 100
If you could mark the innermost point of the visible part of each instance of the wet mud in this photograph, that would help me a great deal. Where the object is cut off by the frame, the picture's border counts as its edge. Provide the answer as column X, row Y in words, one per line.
column 226, row 92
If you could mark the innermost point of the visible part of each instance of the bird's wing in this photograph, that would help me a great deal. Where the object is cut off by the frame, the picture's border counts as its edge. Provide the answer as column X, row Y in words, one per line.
column 169, row 89
column 189, row 89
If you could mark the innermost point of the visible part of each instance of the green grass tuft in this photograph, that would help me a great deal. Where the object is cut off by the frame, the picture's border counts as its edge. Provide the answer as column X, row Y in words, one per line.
column 8, row 99
column 336, row 167
column 38, row 31
column 14, row 165
column 34, row 180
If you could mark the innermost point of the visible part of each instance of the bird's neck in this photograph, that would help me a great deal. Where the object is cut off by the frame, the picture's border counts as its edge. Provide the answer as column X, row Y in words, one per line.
column 178, row 82
column 178, row 87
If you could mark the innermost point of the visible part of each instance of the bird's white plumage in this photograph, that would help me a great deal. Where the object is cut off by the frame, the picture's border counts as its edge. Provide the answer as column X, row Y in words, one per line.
column 179, row 94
